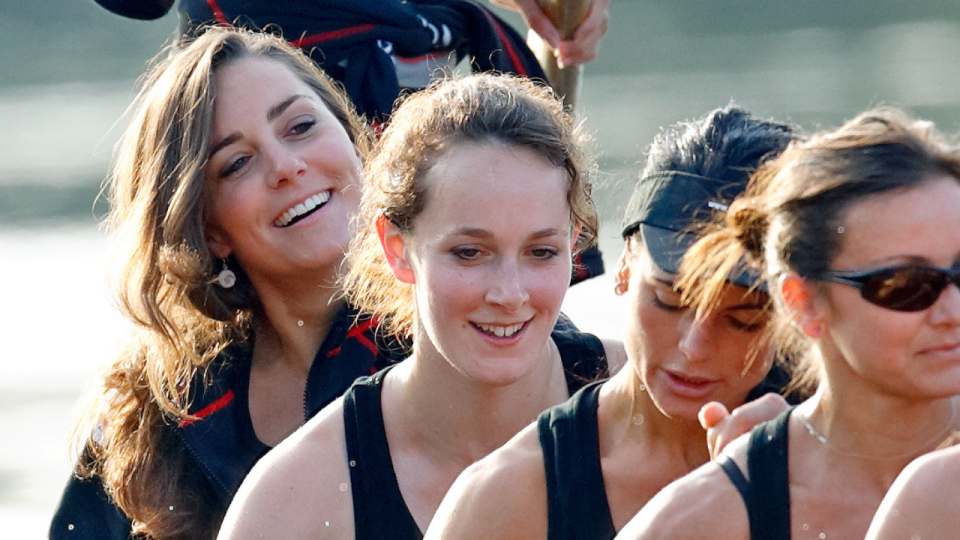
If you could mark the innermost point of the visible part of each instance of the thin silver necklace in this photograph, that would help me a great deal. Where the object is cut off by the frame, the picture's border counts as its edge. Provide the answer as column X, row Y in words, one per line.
column 938, row 437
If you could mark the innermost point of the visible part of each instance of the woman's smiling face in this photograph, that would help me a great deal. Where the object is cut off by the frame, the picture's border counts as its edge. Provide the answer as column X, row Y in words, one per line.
column 490, row 257
column 282, row 177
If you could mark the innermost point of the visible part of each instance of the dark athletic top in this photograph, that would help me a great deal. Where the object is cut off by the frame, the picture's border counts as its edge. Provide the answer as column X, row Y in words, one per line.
column 767, row 493
column 220, row 441
column 577, row 507
column 379, row 510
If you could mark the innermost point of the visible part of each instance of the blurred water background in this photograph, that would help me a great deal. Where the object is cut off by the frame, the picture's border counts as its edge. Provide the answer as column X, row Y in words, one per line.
column 68, row 71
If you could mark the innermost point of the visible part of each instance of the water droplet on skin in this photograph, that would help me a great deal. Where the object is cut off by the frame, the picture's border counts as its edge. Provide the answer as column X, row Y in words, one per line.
column 70, row 527
column 299, row 323
column 823, row 535
column 643, row 388
column 327, row 523
column 637, row 419
column 170, row 508
column 343, row 487
column 806, row 527
column 840, row 230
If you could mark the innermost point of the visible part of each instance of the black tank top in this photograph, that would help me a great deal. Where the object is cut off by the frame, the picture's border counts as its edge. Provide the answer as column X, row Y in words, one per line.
column 577, row 507
column 379, row 510
column 767, row 493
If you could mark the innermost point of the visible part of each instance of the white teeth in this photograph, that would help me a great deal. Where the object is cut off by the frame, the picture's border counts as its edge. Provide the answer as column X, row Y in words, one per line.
column 500, row 331
column 302, row 208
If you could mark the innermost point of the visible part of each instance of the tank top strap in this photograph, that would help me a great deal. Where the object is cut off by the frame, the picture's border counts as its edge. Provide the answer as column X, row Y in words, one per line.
column 768, row 467
column 379, row 510
column 577, row 506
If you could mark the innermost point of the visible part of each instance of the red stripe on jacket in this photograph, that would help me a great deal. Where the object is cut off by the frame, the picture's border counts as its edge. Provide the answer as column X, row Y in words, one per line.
column 306, row 41
column 208, row 410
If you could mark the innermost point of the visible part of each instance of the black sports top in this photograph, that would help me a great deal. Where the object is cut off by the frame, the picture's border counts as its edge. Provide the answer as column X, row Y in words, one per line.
column 379, row 510
column 767, row 493
column 577, row 507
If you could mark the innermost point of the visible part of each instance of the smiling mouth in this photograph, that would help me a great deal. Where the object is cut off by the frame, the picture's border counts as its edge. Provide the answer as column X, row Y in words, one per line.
column 499, row 331
column 302, row 210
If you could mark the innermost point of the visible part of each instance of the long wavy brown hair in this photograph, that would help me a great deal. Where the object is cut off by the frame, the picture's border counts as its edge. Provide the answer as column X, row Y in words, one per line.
column 163, row 281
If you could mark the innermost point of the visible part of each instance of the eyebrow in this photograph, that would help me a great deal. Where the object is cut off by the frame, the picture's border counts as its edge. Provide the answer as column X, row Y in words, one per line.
column 475, row 232
column 272, row 114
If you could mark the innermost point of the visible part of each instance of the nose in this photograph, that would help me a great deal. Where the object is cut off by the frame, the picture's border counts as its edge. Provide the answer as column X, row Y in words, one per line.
column 506, row 287
column 287, row 164
column 946, row 310
column 696, row 340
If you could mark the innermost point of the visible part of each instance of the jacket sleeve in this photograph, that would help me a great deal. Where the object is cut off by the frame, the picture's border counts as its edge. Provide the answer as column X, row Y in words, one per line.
column 137, row 9
column 85, row 512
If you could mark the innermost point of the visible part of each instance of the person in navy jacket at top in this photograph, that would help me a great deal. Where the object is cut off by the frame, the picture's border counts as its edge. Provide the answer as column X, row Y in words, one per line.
column 378, row 49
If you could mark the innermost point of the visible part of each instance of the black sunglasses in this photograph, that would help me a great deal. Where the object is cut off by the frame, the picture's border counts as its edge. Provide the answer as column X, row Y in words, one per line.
column 902, row 288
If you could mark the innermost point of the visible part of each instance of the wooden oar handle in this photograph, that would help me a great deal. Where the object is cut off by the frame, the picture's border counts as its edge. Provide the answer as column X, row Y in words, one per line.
column 566, row 15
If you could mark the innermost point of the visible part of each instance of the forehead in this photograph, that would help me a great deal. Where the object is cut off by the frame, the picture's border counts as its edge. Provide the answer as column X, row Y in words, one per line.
column 919, row 224
column 489, row 181
column 250, row 85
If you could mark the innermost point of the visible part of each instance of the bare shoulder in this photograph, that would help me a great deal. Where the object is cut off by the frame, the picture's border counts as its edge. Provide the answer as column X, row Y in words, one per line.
column 922, row 503
column 501, row 496
column 300, row 489
column 616, row 355
column 701, row 505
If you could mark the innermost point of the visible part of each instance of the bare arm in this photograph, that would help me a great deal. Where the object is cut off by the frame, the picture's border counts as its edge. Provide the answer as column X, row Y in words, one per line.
column 502, row 496
column 703, row 505
column 922, row 503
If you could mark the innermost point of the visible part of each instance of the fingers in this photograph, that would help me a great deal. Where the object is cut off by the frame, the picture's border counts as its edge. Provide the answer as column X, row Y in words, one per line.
column 724, row 428
column 712, row 413
column 586, row 40
column 538, row 21
column 710, row 416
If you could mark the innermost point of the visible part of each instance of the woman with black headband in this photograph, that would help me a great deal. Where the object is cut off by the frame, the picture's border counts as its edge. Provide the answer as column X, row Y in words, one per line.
column 858, row 232
column 587, row 466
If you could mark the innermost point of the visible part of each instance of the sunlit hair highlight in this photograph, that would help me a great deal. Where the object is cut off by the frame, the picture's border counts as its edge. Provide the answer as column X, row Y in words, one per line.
column 474, row 109
column 788, row 218
column 163, row 280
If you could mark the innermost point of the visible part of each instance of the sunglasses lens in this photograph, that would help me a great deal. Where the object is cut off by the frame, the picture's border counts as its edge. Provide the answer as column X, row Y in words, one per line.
column 905, row 289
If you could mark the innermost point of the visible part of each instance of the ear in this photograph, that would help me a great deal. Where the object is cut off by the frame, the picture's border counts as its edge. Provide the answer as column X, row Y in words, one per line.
column 394, row 249
column 622, row 276
column 217, row 242
column 800, row 297
column 575, row 237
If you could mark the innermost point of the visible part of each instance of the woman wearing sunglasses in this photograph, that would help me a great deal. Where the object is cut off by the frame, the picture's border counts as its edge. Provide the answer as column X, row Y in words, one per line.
column 858, row 232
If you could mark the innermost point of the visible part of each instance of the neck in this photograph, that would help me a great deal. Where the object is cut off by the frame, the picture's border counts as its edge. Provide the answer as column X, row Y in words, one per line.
column 458, row 419
column 877, row 427
column 630, row 417
column 295, row 320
